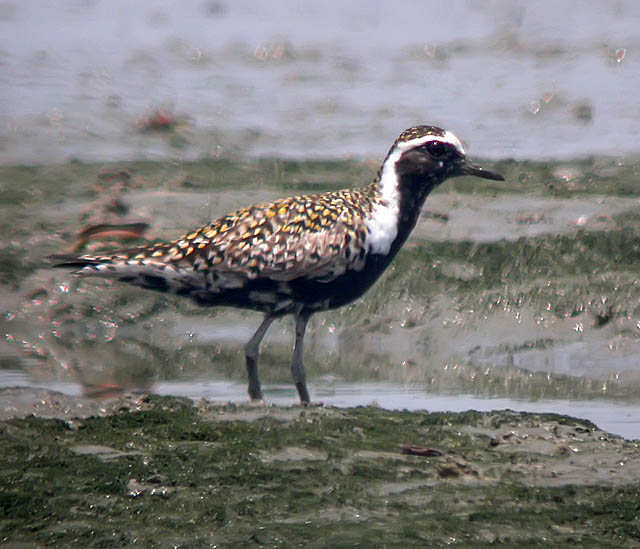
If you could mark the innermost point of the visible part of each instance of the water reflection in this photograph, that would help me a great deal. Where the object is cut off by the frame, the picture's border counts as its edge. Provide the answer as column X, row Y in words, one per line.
column 615, row 417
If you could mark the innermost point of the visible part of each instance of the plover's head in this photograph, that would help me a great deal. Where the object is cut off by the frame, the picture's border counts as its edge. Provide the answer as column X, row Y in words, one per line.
column 430, row 155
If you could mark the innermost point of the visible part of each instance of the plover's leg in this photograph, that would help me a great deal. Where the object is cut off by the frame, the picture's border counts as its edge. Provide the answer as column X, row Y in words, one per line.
column 297, row 367
column 251, row 352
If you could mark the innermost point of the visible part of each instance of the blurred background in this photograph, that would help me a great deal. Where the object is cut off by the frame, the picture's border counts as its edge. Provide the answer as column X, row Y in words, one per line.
column 130, row 122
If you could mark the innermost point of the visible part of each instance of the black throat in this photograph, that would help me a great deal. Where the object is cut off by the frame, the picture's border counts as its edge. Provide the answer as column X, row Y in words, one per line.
column 413, row 190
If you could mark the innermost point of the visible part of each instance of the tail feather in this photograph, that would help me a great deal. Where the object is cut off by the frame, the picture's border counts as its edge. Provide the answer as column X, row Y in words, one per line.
column 146, row 273
column 72, row 261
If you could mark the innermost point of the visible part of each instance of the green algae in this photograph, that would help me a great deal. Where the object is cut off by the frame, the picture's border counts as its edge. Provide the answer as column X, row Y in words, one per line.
column 199, row 475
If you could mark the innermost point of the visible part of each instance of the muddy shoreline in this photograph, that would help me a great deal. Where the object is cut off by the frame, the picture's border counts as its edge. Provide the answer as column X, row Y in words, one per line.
column 163, row 471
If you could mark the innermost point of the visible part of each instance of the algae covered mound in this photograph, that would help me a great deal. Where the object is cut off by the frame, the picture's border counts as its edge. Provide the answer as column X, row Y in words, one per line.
column 160, row 472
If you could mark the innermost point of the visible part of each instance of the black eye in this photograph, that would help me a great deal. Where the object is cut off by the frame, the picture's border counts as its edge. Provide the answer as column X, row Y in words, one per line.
column 436, row 148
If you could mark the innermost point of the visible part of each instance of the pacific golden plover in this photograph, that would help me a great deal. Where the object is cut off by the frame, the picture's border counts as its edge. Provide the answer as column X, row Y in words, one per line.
column 297, row 255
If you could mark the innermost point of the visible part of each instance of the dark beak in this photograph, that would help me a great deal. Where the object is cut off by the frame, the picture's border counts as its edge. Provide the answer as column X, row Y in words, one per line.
column 471, row 169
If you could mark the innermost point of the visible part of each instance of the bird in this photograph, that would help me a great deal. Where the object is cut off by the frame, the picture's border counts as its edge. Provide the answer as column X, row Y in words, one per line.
column 298, row 255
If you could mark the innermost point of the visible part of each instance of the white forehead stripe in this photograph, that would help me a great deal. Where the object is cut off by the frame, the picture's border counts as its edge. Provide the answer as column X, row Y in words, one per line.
column 448, row 138
column 454, row 141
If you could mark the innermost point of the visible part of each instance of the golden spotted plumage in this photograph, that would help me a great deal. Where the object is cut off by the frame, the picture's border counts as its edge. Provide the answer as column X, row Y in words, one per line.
column 314, row 235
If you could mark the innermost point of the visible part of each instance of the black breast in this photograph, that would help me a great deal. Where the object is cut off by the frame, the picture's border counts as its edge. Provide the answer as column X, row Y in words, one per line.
column 285, row 297
column 344, row 289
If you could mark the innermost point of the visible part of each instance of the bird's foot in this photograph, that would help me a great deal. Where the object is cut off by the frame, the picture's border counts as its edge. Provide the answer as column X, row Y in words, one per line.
column 311, row 404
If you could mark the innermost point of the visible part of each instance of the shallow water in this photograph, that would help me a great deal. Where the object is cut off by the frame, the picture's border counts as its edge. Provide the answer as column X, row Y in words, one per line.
column 520, row 294
column 620, row 418
column 533, row 80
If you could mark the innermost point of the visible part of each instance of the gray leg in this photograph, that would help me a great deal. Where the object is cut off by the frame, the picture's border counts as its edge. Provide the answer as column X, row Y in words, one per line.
column 297, row 367
column 251, row 351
